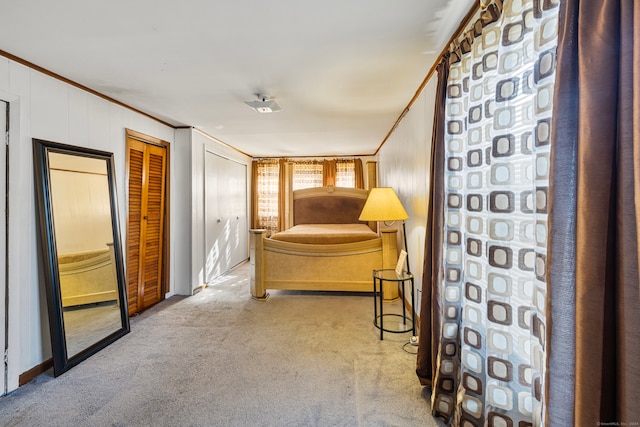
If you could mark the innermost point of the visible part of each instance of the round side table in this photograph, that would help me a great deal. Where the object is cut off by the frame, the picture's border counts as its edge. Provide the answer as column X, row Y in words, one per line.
column 390, row 275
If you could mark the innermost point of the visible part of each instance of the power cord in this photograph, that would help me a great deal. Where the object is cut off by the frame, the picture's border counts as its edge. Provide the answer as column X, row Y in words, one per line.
column 414, row 349
column 413, row 342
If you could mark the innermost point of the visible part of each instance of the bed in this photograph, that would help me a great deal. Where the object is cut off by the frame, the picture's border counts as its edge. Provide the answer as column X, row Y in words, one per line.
column 326, row 249
column 87, row 277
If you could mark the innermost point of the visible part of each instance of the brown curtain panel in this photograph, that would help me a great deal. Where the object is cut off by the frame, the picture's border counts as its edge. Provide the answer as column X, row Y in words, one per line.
column 282, row 194
column 329, row 172
column 359, row 174
column 254, row 195
column 432, row 268
column 593, row 297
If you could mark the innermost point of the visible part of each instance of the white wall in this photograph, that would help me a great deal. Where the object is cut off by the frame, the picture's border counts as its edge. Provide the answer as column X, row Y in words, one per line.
column 46, row 108
column 181, row 195
column 190, row 148
column 404, row 163
column 80, row 226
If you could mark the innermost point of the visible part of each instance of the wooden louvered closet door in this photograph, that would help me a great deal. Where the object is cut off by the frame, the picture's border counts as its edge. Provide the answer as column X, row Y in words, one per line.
column 147, row 166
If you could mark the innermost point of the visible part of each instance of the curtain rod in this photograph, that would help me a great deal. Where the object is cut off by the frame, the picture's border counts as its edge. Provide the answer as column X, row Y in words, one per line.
column 457, row 33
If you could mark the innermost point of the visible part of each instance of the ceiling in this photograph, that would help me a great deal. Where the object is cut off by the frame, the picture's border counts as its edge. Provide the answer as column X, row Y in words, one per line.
column 341, row 70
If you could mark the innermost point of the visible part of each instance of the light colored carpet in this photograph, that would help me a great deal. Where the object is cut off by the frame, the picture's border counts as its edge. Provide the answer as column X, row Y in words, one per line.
column 220, row 358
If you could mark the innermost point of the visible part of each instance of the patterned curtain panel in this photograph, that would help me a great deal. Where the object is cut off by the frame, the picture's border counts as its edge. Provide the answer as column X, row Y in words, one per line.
column 491, row 355
column 266, row 182
column 345, row 173
column 307, row 174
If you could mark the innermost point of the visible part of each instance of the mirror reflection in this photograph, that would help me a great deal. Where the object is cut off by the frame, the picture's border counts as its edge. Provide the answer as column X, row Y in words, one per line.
column 84, row 241
column 81, row 252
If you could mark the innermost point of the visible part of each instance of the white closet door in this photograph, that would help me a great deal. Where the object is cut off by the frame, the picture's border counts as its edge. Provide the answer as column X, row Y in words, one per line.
column 3, row 240
column 223, row 199
column 237, row 182
column 225, row 216
column 212, row 219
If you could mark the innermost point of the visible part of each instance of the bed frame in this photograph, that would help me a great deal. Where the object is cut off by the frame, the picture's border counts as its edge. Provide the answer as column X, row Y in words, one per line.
column 88, row 277
column 334, row 267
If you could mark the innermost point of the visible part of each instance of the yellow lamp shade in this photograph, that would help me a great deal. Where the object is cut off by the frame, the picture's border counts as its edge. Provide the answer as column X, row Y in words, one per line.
column 383, row 205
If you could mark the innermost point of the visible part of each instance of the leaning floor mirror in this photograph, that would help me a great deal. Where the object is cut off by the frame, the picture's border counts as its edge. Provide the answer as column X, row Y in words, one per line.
column 81, row 253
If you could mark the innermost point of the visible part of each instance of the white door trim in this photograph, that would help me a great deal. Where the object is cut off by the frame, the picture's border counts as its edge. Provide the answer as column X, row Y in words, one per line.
column 4, row 291
column 13, row 275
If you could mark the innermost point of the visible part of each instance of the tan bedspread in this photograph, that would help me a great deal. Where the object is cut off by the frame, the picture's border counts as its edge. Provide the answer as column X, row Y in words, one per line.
column 326, row 234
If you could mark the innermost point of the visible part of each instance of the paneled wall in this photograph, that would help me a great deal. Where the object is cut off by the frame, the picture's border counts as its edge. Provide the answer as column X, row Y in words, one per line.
column 404, row 163
column 46, row 108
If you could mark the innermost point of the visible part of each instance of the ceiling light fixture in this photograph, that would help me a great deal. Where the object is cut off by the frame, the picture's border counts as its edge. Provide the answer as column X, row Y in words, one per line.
column 264, row 104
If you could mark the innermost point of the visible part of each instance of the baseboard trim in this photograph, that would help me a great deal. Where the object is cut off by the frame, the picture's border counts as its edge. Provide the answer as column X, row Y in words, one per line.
column 29, row 375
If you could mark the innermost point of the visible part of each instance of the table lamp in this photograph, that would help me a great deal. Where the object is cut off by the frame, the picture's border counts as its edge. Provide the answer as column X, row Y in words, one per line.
column 383, row 205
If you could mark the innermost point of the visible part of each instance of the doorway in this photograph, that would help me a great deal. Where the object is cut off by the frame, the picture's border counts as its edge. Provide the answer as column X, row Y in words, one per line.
column 225, row 215
column 147, row 245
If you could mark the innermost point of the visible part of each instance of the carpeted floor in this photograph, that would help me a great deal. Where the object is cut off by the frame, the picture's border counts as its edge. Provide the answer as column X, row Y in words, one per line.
column 220, row 358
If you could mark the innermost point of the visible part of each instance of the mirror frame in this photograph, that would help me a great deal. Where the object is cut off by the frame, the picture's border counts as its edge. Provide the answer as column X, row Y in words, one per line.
column 49, row 255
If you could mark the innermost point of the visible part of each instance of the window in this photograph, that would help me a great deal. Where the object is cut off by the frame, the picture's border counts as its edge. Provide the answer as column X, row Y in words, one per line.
column 267, row 183
column 345, row 173
column 307, row 175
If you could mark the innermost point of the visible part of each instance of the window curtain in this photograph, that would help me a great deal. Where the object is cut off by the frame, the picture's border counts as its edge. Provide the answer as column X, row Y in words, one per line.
column 429, row 338
column 488, row 268
column 349, row 173
column 265, row 194
column 593, row 298
column 343, row 173
column 254, row 195
column 282, row 194
column 358, row 173
column 329, row 171
column 307, row 174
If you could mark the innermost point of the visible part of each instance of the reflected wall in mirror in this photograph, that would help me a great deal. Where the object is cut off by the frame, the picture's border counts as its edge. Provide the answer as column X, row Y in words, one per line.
column 81, row 250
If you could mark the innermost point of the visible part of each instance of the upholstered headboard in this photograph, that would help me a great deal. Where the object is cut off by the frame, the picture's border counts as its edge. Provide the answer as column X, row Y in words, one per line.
column 329, row 205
